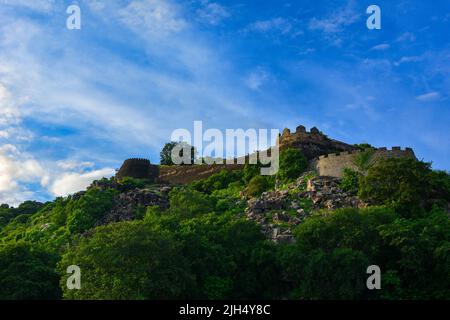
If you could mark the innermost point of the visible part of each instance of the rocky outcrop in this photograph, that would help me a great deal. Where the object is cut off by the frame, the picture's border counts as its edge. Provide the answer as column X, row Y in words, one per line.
column 326, row 193
column 128, row 203
column 279, row 211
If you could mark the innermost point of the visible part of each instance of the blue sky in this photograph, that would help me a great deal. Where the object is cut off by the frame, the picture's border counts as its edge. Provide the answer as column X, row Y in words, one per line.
column 75, row 103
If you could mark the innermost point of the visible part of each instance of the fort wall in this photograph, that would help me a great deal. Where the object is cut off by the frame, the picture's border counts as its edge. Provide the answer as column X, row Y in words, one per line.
column 333, row 164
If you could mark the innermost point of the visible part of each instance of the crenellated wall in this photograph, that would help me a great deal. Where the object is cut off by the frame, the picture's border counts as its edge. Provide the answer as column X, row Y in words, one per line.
column 312, row 144
column 333, row 164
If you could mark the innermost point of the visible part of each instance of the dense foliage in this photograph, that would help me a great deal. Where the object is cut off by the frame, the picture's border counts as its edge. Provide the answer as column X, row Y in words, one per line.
column 292, row 164
column 203, row 247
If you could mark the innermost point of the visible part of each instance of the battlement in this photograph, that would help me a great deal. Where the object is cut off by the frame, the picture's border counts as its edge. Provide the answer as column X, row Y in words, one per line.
column 312, row 143
column 300, row 130
column 332, row 164
column 393, row 151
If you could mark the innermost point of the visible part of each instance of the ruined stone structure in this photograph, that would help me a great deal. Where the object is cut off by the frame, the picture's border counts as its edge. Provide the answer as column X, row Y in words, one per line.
column 312, row 144
column 326, row 156
column 331, row 165
column 138, row 169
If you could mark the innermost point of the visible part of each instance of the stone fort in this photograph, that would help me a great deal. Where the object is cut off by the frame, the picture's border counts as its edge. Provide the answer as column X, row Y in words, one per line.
column 326, row 156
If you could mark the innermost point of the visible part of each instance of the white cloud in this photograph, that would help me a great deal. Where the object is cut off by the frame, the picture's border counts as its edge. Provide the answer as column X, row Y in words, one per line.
column 280, row 25
column 257, row 78
column 407, row 36
column 155, row 17
column 36, row 5
column 9, row 112
column 408, row 59
column 213, row 13
column 67, row 90
column 74, row 165
column 429, row 97
column 17, row 168
column 381, row 47
column 70, row 183
column 336, row 21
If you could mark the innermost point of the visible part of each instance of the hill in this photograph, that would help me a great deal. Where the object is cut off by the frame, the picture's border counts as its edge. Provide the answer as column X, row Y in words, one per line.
column 227, row 232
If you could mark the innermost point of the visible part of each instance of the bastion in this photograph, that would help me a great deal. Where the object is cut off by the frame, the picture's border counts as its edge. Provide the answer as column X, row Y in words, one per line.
column 139, row 169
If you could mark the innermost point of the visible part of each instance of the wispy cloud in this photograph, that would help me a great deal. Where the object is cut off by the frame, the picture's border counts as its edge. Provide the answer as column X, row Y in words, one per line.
column 336, row 21
column 277, row 25
column 257, row 78
column 407, row 36
column 111, row 105
column 155, row 17
column 381, row 47
column 212, row 13
column 43, row 6
column 429, row 97
column 408, row 59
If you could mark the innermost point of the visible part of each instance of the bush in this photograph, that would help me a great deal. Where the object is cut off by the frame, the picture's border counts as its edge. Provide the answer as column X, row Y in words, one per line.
column 364, row 160
column 257, row 186
column 87, row 210
column 129, row 183
column 350, row 180
column 217, row 181
column 292, row 164
column 250, row 171
column 189, row 203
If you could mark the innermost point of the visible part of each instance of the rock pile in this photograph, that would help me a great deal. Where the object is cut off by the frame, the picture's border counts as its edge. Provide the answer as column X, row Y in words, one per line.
column 279, row 211
column 127, row 203
column 326, row 193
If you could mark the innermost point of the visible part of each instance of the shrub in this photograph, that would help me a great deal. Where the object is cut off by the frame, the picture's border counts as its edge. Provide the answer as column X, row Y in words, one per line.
column 364, row 160
column 257, row 186
column 250, row 171
column 217, row 181
column 292, row 164
column 350, row 180
column 189, row 203
column 88, row 209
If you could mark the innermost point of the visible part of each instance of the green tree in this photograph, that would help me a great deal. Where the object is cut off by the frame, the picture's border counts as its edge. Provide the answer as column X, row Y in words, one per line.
column 27, row 273
column 292, row 164
column 128, row 260
column 166, row 152
column 401, row 182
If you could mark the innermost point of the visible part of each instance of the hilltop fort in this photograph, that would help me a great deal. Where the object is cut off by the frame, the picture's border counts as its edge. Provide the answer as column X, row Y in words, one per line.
column 326, row 156
column 313, row 143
